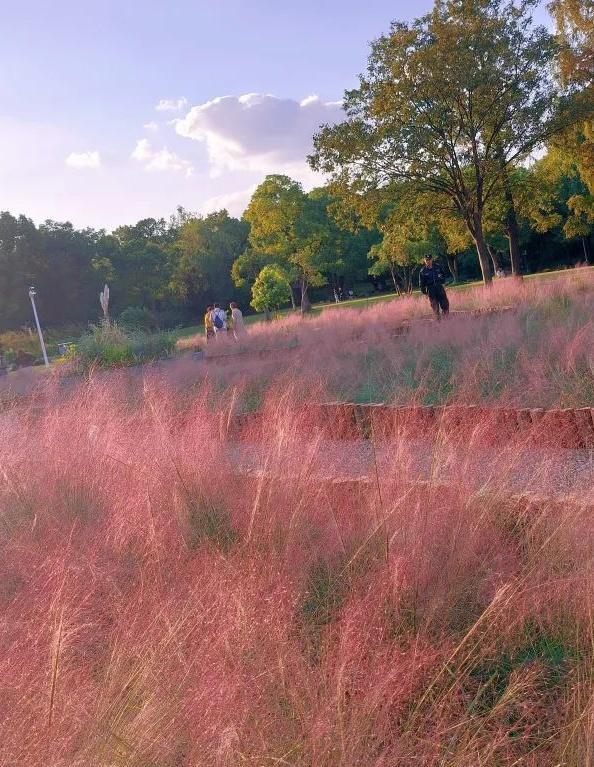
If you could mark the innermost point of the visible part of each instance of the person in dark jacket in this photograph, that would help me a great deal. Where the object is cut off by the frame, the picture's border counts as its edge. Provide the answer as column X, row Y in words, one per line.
column 431, row 280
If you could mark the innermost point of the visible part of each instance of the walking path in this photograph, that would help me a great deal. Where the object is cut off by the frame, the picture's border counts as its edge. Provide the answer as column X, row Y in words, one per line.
column 545, row 473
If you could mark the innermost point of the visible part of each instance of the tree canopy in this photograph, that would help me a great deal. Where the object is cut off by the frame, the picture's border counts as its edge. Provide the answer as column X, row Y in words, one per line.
column 448, row 104
column 271, row 289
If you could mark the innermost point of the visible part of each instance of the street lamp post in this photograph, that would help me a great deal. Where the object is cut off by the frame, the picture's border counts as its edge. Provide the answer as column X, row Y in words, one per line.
column 32, row 294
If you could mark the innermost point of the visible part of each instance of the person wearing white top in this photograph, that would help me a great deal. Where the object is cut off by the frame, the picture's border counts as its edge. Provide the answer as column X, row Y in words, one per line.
column 237, row 316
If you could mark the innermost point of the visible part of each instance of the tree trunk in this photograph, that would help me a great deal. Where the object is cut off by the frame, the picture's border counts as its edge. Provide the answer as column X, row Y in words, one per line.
column 481, row 248
column 512, row 231
column 494, row 258
column 453, row 266
column 293, row 304
column 511, row 221
column 408, row 279
column 586, row 250
column 305, row 303
column 267, row 315
column 395, row 281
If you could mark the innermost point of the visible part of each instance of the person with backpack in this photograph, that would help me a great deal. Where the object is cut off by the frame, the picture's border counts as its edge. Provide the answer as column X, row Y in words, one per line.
column 431, row 282
column 219, row 320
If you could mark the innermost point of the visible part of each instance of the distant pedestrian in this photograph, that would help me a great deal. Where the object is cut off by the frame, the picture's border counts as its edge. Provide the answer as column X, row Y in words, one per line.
column 229, row 315
column 219, row 320
column 237, row 317
column 431, row 282
column 208, row 326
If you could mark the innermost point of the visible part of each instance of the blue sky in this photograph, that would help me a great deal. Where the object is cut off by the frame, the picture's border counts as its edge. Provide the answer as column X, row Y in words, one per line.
column 240, row 88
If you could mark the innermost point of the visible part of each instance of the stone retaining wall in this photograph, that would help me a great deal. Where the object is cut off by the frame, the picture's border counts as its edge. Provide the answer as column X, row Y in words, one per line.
column 569, row 428
column 425, row 492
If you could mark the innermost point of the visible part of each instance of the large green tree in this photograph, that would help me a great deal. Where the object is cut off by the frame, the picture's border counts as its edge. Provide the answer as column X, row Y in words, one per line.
column 449, row 103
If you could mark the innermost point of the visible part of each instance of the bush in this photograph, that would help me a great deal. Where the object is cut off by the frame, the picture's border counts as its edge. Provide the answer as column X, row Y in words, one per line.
column 108, row 345
column 137, row 318
column 29, row 342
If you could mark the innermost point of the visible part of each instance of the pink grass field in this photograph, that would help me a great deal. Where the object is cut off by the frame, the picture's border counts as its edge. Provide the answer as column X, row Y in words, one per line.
column 537, row 352
column 173, row 597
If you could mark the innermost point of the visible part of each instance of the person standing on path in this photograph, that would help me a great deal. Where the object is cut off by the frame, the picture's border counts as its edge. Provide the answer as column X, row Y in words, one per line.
column 208, row 326
column 229, row 315
column 431, row 281
column 219, row 320
column 237, row 317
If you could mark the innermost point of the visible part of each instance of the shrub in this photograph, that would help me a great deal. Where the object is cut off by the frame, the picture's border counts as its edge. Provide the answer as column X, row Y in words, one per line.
column 108, row 345
column 137, row 318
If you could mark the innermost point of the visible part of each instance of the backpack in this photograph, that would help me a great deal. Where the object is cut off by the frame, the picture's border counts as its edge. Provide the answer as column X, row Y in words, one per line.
column 217, row 321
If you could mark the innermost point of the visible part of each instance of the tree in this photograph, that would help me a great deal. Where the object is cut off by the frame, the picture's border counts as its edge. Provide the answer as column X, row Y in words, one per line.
column 574, row 20
column 19, row 267
column 271, row 289
column 551, row 195
column 449, row 103
column 287, row 226
column 203, row 254
column 573, row 151
column 135, row 261
column 396, row 257
column 344, row 247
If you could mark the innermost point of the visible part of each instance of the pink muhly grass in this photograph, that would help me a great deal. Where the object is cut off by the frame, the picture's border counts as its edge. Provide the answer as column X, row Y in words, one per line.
column 179, row 586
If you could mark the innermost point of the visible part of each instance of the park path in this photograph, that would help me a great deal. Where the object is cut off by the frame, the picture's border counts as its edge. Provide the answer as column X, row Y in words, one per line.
column 557, row 474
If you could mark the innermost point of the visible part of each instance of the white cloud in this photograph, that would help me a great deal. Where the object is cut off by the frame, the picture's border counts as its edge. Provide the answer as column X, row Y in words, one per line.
column 234, row 202
column 171, row 105
column 83, row 160
column 258, row 132
column 160, row 159
column 151, row 126
column 142, row 151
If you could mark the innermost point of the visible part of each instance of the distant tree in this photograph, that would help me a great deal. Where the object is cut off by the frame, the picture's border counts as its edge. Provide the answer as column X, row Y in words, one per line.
column 397, row 258
column 135, row 262
column 289, row 228
column 247, row 266
column 345, row 247
column 70, row 285
column 271, row 289
column 20, row 266
column 551, row 196
column 573, row 151
column 203, row 254
column 449, row 103
column 410, row 222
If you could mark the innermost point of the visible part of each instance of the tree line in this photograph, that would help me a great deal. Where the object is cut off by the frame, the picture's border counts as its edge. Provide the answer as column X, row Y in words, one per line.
column 470, row 136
